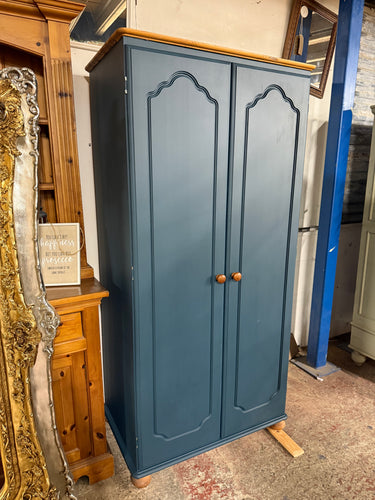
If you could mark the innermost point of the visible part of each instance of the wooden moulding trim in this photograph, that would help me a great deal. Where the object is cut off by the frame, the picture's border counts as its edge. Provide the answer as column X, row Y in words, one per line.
column 77, row 303
column 54, row 10
column 70, row 347
column 38, row 51
column 75, row 307
column 64, row 145
column 26, row 8
column 59, row 10
column 182, row 42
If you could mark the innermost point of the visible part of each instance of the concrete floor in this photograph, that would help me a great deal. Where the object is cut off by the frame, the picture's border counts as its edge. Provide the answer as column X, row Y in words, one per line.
column 333, row 421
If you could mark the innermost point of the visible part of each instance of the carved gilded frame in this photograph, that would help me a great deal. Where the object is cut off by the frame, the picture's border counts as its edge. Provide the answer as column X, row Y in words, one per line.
column 32, row 457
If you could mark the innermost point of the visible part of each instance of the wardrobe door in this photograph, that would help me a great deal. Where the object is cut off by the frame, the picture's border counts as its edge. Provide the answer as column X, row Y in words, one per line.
column 267, row 161
column 180, row 121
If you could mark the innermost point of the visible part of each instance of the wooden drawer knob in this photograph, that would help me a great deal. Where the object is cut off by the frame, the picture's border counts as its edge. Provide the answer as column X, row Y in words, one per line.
column 221, row 278
column 236, row 276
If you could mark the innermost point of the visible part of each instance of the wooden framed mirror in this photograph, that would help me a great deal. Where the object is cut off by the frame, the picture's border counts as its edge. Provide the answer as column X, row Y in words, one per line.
column 33, row 464
column 311, row 38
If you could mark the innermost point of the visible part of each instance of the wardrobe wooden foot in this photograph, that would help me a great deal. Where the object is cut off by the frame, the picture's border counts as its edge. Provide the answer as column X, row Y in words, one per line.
column 279, row 426
column 142, row 482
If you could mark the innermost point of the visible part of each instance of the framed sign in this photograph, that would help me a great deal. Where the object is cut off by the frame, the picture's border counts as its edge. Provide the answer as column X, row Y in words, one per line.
column 59, row 254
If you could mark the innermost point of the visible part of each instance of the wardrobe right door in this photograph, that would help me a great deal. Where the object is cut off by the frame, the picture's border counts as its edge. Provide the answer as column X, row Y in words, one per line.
column 269, row 134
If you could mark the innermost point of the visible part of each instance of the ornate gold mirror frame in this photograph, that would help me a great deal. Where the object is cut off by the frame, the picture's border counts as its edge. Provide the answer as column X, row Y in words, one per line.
column 32, row 458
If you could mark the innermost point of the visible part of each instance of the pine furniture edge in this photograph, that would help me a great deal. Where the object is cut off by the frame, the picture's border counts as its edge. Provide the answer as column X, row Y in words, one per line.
column 182, row 42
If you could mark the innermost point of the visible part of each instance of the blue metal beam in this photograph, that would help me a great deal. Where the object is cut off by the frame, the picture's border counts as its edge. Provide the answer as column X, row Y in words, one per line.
column 339, row 125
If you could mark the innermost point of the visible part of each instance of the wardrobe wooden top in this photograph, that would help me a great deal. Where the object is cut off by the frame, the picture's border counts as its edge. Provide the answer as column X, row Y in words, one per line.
column 182, row 42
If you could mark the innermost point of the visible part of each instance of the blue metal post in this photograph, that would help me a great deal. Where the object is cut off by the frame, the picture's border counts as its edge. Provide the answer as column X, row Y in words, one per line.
column 340, row 120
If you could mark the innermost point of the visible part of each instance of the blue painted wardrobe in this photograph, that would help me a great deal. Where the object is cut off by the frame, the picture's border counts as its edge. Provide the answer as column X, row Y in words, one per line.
column 198, row 158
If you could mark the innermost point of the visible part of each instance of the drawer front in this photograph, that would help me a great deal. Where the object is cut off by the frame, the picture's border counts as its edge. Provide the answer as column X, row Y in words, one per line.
column 70, row 328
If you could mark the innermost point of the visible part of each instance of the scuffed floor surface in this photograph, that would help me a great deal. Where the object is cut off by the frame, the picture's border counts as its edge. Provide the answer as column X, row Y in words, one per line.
column 333, row 421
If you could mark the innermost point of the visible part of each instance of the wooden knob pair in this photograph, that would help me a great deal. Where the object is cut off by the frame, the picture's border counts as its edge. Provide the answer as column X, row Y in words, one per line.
column 221, row 278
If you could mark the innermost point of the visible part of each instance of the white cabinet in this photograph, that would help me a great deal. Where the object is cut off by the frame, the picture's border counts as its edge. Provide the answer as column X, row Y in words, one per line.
column 362, row 339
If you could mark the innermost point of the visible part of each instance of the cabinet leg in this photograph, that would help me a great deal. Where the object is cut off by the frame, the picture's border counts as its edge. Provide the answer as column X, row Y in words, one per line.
column 142, row 482
column 279, row 426
column 358, row 358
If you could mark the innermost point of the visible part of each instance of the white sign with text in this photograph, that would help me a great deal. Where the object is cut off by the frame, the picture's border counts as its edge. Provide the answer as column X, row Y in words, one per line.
column 59, row 253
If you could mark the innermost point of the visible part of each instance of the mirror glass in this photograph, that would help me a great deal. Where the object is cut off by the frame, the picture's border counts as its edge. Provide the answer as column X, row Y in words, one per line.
column 320, row 31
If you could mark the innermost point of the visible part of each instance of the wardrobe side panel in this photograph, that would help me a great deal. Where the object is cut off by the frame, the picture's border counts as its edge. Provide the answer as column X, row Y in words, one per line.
column 110, row 151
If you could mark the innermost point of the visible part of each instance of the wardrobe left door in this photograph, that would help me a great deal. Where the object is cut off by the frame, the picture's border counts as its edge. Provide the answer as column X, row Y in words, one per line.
column 179, row 157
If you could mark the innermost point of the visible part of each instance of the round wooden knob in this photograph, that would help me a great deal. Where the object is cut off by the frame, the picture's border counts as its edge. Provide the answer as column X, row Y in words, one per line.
column 236, row 276
column 221, row 278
